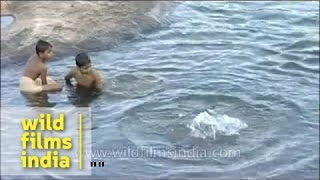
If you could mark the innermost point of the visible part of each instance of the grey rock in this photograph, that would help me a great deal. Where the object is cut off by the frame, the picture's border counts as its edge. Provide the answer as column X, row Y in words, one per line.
column 76, row 26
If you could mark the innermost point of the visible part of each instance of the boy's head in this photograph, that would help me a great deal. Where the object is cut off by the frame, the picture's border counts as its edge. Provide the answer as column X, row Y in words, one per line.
column 83, row 62
column 44, row 49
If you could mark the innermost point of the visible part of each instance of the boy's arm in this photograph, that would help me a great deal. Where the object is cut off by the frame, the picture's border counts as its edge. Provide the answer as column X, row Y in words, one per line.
column 97, row 81
column 68, row 77
column 48, row 87
column 43, row 76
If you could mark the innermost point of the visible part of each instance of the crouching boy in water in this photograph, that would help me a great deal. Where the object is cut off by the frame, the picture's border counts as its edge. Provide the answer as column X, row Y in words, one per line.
column 84, row 74
column 35, row 79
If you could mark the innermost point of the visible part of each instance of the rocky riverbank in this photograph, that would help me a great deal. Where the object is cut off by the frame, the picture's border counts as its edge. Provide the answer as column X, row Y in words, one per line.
column 75, row 26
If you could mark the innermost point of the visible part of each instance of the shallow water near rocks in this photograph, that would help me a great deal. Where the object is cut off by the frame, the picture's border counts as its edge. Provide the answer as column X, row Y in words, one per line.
column 257, row 62
column 6, row 20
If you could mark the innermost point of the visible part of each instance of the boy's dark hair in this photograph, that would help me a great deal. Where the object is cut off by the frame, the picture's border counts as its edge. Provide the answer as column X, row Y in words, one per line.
column 42, row 46
column 82, row 59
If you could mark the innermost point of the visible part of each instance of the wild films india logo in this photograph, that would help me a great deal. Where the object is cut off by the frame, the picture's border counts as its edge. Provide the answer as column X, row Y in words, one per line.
column 41, row 141
column 51, row 145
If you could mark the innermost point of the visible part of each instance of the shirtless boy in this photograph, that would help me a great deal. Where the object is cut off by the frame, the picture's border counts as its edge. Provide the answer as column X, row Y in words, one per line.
column 35, row 79
column 84, row 74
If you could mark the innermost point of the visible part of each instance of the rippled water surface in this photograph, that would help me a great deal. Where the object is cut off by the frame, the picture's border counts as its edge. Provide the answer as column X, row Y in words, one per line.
column 255, row 64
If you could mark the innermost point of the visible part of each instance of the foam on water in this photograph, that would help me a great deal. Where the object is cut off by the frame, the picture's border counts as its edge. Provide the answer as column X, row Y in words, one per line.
column 210, row 124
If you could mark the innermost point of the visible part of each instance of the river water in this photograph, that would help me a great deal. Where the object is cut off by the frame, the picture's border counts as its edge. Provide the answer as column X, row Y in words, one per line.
column 223, row 89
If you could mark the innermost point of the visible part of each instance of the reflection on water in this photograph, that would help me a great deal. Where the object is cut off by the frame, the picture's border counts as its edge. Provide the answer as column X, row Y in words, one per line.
column 82, row 97
column 37, row 100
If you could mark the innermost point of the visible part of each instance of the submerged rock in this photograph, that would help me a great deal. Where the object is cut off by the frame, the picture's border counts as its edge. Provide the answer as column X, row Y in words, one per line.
column 75, row 26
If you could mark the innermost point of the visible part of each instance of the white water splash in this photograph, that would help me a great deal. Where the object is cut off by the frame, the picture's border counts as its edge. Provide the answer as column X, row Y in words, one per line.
column 209, row 124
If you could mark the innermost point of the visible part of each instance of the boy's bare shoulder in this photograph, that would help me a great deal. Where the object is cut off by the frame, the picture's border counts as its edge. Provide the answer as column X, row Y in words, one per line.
column 95, row 72
column 36, row 62
column 73, row 70
column 34, row 67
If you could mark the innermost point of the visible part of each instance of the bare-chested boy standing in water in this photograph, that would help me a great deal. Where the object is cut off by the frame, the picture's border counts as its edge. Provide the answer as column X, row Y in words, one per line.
column 84, row 74
column 35, row 79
